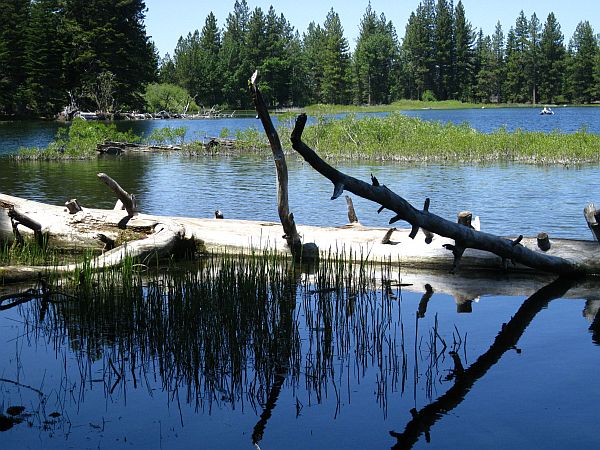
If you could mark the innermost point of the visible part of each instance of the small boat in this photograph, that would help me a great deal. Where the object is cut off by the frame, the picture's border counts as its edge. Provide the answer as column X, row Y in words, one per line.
column 546, row 111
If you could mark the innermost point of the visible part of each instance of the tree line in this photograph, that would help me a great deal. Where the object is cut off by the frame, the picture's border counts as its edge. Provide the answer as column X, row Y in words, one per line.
column 95, row 54
column 441, row 56
column 90, row 54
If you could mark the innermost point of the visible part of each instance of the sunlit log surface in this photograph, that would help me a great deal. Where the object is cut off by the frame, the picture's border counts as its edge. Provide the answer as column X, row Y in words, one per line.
column 80, row 231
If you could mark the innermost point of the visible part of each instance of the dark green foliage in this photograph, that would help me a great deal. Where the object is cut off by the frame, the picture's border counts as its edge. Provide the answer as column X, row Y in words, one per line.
column 94, row 54
column 552, row 64
column 583, row 54
column 464, row 71
column 444, row 50
column 336, row 82
column 375, row 58
column 13, row 30
column 46, row 43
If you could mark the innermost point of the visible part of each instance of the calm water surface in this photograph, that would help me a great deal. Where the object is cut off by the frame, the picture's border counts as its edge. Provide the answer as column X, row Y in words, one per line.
column 180, row 368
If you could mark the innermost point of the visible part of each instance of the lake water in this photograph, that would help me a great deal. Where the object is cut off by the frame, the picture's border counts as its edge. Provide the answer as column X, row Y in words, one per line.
column 14, row 135
column 171, row 366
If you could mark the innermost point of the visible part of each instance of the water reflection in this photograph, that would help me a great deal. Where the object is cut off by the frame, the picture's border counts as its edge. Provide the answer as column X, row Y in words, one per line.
column 241, row 353
column 464, row 379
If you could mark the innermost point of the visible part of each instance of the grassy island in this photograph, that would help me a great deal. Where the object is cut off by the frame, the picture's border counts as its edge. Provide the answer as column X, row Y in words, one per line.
column 394, row 137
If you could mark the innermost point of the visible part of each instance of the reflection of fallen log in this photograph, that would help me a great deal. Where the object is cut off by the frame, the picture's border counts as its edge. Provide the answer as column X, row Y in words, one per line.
column 506, row 339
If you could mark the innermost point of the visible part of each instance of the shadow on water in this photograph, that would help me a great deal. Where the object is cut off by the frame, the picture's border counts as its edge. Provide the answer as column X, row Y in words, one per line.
column 248, row 334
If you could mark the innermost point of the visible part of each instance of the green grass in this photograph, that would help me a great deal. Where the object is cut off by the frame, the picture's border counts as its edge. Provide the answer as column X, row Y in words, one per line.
column 79, row 141
column 401, row 138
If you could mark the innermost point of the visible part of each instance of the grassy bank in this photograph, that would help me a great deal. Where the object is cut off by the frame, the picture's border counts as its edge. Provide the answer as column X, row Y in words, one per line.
column 401, row 138
column 395, row 137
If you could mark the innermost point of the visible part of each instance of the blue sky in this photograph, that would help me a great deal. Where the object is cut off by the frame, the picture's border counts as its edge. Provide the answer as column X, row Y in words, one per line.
column 167, row 20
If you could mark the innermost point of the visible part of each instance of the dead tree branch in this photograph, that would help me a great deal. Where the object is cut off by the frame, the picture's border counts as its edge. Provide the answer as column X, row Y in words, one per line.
column 463, row 236
column 291, row 235
column 126, row 198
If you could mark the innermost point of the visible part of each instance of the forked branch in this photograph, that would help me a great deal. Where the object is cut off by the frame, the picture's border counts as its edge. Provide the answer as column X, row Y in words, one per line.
column 463, row 236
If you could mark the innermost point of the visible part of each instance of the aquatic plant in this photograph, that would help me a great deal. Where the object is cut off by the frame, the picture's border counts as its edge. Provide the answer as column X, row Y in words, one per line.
column 167, row 136
column 78, row 141
column 400, row 138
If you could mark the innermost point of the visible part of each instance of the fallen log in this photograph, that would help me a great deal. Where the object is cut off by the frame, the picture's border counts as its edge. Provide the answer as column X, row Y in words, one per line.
column 464, row 237
column 158, row 244
column 79, row 232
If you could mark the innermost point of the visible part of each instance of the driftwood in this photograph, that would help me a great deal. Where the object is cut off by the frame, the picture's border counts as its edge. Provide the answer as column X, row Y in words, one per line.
column 464, row 237
column 127, row 199
column 287, row 218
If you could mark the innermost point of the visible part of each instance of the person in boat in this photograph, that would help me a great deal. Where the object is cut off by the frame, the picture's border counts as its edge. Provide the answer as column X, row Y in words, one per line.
column 547, row 110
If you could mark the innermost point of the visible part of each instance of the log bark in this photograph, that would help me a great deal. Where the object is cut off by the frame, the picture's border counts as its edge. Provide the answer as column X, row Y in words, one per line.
column 462, row 235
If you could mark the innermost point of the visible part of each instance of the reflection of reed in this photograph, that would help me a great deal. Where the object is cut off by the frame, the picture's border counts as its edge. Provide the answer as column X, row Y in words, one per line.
column 506, row 339
column 233, row 331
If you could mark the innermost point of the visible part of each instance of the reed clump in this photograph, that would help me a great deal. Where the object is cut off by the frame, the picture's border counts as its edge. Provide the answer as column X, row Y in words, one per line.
column 78, row 141
column 400, row 138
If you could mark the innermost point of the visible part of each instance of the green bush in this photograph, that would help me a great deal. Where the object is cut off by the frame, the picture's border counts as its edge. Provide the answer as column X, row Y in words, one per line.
column 79, row 141
column 167, row 136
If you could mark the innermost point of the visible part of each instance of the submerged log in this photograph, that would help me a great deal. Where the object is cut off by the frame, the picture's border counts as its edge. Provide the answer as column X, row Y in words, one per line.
column 463, row 236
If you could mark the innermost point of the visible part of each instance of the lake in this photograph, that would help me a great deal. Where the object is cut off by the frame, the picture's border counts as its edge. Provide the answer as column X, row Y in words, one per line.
column 467, row 361
column 14, row 135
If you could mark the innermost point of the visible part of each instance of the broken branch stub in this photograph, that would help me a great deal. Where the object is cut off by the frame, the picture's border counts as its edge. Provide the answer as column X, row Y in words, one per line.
column 351, row 212
column 126, row 198
column 463, row 236
column 592, row 216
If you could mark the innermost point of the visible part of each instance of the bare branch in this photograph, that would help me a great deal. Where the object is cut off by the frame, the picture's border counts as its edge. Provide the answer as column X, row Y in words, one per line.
column 463, row 236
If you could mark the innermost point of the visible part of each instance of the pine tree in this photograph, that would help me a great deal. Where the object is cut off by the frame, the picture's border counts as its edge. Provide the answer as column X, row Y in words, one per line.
column 517, row 85
column 210, row 86
column 46, row 48
column 583, row 50
column 418, row 49
column 109, row 41
column 498, row 69
column 552, row 60
column 13, row 26
column 444, row 49
column 533, row 57
column 336, row 83
column 313, row 50
column 374, row 58
column 277, row 62
column 236, row 68
column 464, row 54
